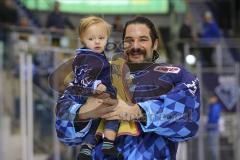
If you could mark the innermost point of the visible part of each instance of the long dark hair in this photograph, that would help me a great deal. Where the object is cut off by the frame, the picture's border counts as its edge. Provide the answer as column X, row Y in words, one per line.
column 145, row 21
column 150, row 25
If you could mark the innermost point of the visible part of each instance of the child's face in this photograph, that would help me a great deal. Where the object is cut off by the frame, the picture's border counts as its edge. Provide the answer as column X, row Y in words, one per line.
column 95, row 37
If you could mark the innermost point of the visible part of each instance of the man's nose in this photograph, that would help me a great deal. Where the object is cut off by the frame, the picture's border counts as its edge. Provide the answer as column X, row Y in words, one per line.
column 135, row 44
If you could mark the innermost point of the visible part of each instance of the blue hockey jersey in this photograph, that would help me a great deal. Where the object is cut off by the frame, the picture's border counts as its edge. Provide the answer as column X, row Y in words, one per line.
column 171, row 117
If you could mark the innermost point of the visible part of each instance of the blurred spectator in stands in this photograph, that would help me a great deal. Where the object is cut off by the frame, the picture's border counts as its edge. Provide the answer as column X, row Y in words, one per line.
column 8, row 13
column 23, row 22
column 57, row 21
column 8, row 16
column 214, row 113
column 24, row 28
column 117, row 26
column 186, row 36
column 209, row 38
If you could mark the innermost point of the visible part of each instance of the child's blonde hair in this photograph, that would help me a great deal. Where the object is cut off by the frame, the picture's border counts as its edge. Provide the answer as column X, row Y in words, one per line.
column 86, row 22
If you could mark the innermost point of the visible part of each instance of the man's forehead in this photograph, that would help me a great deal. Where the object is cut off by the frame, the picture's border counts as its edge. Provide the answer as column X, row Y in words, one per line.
column 137, row 30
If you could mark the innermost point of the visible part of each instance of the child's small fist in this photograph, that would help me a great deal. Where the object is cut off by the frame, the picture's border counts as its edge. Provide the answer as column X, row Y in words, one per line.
column 101, row 88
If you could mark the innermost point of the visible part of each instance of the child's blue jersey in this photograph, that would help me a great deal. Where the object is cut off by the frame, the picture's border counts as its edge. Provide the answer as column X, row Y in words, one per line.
column 91, row 69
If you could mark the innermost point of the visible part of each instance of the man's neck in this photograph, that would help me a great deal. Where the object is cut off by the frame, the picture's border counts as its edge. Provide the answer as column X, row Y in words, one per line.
column 138, row 66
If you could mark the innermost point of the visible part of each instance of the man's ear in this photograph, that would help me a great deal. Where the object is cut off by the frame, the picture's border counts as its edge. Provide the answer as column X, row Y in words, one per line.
column 155, row 45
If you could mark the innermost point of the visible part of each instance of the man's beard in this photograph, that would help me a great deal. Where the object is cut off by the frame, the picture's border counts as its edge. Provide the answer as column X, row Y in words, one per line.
column 138, row 51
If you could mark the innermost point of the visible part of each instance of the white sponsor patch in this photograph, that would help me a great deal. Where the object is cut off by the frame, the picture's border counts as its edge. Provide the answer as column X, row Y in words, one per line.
column 167, row 69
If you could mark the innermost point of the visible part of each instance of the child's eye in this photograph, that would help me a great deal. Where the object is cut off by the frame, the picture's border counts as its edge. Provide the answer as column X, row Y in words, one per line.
column 101, row 38
column 90, row 39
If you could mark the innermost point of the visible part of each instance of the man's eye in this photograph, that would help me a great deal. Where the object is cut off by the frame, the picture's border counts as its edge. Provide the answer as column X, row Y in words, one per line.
column 143, row 40
column 128, row 41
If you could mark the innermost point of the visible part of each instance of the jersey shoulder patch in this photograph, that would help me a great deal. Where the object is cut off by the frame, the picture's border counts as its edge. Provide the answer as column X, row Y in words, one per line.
column 167, row 69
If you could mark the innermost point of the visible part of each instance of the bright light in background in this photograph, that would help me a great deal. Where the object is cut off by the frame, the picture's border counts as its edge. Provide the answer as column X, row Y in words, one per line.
column 190, row 59
column 33, row 40
column 96, row 2
column 102, row 6
column 64, row 42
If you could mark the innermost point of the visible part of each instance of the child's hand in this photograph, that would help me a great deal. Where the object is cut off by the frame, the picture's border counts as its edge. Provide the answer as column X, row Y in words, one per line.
column 101, row 88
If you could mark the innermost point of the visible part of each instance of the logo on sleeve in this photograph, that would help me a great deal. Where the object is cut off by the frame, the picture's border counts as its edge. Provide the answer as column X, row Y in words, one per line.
column 167, row 69
column 192, row 87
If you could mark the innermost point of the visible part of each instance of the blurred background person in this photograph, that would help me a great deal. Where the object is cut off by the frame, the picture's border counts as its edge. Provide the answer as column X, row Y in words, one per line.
column 186, row 36
column 56, row 20
column 8, row 13
column 8, row 17
column 210, row 36
column 23, row 22
column 213, row 134
column 117, row 25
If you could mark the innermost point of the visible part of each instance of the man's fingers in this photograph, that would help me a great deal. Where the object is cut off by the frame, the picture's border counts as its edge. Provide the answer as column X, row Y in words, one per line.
column 110, row 101
column 102, row 95
column 113, row 118
column 105, row 110
column 98, row 113
column 108, row 115
column 120, row 116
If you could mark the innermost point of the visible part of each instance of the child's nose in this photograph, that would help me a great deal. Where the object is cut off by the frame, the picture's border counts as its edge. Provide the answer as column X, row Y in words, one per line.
column 97, row 41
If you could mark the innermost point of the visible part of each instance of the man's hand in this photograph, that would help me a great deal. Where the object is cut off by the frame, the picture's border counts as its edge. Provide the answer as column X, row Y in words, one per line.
column 96, row 107
column 122, row 111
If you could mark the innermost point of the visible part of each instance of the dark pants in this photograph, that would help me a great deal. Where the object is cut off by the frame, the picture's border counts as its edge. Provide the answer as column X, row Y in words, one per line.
column 207, row 56
column 91, row 138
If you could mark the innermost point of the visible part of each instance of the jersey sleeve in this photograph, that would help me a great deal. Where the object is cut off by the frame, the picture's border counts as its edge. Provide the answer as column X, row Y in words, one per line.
column 66, row 125
column 70, row 131
column 174, row 115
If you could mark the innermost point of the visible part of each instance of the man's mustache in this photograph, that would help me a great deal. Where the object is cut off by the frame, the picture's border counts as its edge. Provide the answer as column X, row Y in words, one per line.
column 133, row 51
